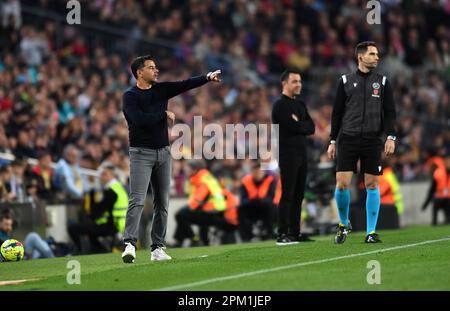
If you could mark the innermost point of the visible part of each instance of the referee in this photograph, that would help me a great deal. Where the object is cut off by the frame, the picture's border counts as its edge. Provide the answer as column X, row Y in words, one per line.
column 294, row 125
column 145, row 109
column 363, row 109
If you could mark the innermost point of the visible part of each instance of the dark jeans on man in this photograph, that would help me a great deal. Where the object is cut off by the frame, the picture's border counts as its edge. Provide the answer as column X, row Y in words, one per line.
column 149, row 166
column 249, row 213
column 293, row 170
column 444, row 205
column 93, row 231
column 186, row 217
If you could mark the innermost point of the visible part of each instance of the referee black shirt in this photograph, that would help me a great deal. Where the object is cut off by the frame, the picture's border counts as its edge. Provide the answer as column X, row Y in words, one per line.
column 361, row 100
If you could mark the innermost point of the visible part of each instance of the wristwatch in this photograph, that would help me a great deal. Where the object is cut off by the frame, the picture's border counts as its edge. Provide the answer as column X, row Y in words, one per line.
column 391, row 137
column 332, row 142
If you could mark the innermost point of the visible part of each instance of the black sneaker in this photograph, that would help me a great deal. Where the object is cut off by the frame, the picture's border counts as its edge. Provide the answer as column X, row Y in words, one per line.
column 372, row 238
column 341, row 235
column 283, row 239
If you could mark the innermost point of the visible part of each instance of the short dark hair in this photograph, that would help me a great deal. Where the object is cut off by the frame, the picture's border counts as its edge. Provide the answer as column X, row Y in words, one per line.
column 362, row 47
column 287, row 72
column 5, row 214
column 17, row 162
column 138, row 63
column 43, row 153
column 256, row 165
column 4, row 168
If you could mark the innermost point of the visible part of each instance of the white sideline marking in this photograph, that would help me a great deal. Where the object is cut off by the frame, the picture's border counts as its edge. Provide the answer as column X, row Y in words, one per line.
column 15, row 282
column 297, row 265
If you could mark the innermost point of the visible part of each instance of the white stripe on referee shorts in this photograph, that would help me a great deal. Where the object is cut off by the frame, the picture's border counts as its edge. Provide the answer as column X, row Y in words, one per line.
column 298, row 265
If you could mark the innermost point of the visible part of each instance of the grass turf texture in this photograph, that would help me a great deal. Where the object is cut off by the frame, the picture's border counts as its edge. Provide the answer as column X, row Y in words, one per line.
column 422, row 267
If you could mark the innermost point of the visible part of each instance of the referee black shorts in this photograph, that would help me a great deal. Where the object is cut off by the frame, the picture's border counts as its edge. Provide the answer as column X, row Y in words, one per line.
column 368, row 150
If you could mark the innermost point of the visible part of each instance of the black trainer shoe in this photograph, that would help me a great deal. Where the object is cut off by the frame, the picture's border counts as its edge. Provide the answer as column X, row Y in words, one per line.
column 283, row 239
column 341, row 235
column 372, row 238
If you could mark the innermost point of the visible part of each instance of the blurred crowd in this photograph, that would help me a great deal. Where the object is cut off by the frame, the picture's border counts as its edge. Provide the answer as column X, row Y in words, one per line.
column 61, row 86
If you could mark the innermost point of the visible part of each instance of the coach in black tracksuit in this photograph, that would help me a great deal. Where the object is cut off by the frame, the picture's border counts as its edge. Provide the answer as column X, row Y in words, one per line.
column 294, row 125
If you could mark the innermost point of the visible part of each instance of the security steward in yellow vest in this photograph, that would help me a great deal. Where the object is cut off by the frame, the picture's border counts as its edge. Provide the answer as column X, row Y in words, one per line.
column 440, row 191
column 106, row 216
column 257, row 203
column 390, row 194
column 206, row 205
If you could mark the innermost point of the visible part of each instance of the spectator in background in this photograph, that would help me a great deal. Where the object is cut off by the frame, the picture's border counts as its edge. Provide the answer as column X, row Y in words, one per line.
column 35, row 246
column 88, row 162
column 11, row 12
column 33, row 47
column 114, row 158
column 5, row 184
column 206, row 206
column 24, row 145
column 257, row 197
column 42, row 176
column 17, row 181
column 439, row 191
column 106, row 216
column 68, row 177
column 390, row 194
column 230, row 214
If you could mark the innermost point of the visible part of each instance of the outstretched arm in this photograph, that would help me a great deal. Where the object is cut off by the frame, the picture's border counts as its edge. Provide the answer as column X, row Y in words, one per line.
column 175, row 88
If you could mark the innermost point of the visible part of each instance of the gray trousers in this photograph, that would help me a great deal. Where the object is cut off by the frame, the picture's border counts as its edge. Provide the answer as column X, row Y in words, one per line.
column 149, row 166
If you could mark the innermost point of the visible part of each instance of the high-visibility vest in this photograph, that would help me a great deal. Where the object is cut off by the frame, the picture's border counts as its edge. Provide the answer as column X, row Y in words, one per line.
column 437, row 161
column 215, row 201
column 442, row 178
column 277, row 198
column 390, row 190
column 257, row 192
column 386, row 194
column 232, row 202
column 120, row 207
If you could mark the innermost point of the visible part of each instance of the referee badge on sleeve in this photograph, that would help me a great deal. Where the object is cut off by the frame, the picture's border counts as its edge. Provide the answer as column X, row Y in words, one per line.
column 376, row 89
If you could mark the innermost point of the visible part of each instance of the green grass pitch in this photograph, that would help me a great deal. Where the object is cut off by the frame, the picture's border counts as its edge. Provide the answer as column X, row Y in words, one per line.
column 415, row 258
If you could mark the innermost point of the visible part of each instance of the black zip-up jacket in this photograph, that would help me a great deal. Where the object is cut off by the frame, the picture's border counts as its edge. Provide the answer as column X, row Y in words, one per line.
column 292, row 133
column 364, row 106
column 145, row 111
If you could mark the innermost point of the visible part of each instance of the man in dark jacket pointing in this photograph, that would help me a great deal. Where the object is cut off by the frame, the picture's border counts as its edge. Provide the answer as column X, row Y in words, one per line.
column 145, row 109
